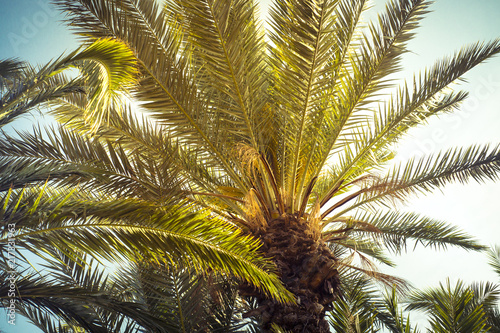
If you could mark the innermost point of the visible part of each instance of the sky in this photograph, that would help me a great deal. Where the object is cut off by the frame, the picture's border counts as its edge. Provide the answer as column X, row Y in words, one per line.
column 31, row 31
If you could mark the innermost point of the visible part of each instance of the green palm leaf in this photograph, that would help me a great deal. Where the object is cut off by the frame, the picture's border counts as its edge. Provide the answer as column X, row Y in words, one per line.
column 395, row 229
column 451, row 308
column 119, row 229
column 426, row 174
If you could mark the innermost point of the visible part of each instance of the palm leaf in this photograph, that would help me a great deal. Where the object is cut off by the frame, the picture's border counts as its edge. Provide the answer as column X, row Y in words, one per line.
column 426, row 174
column 95, row 227
column 451, row 308
column 395, row 229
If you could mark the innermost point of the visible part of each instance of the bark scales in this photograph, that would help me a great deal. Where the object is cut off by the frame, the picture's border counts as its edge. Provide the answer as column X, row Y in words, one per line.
column 307, row 268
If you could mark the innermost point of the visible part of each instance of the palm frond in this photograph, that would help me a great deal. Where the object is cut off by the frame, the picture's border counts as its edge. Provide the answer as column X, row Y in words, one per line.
column 356, row 311
column 44, row 300
column 393, row 316
column 169, row 87
column 301, row 55
column 228, row 39
column 10, row 68
column 451, row 308
column 486, row 294
column 144, row 140
column 424, row 175
column 394, row 229
column 176, row 295
column 494, row 259
column 369, row 72
column 106, row 66
column 68, row 158
column 413, row 105
column 193, row 238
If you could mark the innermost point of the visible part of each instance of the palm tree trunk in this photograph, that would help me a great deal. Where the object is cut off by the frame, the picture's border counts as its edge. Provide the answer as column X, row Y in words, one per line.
column 307, row 268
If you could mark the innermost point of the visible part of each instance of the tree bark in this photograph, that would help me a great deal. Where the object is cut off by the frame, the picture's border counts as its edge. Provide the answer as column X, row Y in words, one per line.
column 307, row 268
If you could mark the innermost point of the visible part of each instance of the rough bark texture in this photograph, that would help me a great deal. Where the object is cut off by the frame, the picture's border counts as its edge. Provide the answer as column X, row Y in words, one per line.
column 307, row 268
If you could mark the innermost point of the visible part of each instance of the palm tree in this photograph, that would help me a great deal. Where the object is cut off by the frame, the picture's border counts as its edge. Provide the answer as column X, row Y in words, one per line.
column 461, row 308
column 457, row 309
column 247, row 139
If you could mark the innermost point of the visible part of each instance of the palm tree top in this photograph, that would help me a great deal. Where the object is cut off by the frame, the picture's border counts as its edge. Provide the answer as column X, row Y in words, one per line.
column 217, row 131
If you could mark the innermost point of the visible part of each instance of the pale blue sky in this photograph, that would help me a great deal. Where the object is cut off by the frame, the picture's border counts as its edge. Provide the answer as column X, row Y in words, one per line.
column 30, row 31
